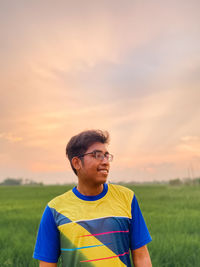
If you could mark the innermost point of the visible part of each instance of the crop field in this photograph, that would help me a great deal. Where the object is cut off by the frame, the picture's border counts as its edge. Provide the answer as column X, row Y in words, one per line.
column 172, row 215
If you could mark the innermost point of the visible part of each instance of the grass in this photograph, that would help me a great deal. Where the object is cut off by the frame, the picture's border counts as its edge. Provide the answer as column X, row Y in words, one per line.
column 171, row 213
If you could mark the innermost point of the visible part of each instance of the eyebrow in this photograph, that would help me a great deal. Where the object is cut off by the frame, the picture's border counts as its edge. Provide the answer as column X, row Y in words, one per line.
column 96, row 150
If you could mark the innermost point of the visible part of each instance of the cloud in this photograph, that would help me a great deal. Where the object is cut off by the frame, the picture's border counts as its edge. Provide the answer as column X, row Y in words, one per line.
column 190, row 145
column 10, row 137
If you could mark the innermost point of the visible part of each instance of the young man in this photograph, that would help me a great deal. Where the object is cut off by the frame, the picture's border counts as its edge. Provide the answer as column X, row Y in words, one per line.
column 94, row 224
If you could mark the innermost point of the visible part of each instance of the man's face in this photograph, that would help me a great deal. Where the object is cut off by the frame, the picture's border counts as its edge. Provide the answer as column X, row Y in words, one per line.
column 94, row 171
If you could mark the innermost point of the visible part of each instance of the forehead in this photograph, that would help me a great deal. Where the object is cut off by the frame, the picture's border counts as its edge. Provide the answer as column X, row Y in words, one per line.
column 98, row 146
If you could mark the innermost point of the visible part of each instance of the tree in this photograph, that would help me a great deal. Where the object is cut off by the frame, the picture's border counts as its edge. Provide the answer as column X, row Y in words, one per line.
column 176, row 181
column 12, row 181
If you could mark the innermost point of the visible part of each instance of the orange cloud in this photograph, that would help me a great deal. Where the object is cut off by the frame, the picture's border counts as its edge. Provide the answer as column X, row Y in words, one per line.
column 10, row 137
column 42, row 167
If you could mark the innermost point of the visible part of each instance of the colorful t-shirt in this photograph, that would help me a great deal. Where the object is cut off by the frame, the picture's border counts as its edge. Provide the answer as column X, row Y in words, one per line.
column 91, row 231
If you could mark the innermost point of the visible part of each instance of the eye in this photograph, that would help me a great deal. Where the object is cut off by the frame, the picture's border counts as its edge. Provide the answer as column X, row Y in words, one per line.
column 107, row 155
column 99, row 155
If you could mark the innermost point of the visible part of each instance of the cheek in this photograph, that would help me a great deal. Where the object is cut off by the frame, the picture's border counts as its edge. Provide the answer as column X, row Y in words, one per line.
column 90, row 166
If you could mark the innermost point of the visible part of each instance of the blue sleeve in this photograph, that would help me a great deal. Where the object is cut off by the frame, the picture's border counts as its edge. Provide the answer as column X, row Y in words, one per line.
column 47, row 247
column 139, row 233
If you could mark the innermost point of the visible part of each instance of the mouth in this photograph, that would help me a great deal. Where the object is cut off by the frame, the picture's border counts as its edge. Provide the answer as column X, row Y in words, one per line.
column 103, row 171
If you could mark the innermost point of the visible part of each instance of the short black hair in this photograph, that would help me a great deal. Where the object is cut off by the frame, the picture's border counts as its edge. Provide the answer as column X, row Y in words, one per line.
column 80, row 143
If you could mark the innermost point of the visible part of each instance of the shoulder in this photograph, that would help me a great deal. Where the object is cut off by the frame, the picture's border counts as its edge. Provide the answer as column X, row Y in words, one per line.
column 121, row 192
column 61, row 200
column 120, row 188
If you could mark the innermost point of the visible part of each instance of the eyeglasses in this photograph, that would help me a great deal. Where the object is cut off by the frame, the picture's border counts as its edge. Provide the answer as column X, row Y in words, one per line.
column 99, row 155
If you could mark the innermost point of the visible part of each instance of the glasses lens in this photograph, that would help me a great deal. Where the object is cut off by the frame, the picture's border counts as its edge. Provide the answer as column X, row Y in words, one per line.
column 99, row 155
column 109, row 157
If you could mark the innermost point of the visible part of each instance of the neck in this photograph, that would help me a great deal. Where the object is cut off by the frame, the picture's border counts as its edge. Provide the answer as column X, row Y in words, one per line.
column 89, row 190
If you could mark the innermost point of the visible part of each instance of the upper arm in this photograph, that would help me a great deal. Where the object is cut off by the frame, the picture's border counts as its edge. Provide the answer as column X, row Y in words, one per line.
column 141, row 257
column 47, row 264
column 139, row 233
column 47, row 248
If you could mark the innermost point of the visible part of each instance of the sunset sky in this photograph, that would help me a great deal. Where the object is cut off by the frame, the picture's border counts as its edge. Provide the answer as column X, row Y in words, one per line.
column 129, row 67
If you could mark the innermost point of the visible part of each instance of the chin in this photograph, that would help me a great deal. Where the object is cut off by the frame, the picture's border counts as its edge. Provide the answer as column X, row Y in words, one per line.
column 103, row 180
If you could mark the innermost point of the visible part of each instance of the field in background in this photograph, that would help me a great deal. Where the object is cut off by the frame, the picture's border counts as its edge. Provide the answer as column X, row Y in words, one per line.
column 172, row 214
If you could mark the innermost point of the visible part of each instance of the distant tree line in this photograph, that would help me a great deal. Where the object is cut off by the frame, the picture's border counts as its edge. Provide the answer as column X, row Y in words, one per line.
column 174, row 182
column 19, row 181
column 185, row 181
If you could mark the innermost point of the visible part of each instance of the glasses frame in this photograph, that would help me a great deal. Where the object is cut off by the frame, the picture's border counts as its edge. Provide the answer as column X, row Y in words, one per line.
column 107, row 155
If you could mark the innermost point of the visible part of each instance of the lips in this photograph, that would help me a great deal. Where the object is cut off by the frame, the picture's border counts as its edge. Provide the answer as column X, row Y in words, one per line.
column 104, row 171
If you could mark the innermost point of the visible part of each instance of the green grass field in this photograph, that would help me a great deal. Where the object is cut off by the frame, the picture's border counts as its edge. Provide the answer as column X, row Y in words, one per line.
column 171, row 213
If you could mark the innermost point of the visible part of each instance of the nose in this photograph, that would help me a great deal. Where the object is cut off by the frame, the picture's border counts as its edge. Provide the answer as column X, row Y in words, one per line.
column 105, row 161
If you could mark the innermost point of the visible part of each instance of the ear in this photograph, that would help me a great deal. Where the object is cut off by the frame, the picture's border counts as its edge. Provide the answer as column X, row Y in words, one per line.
column 76, row 163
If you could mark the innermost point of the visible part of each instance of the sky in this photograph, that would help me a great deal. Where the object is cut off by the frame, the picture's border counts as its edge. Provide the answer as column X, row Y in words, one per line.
column 129, row 67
